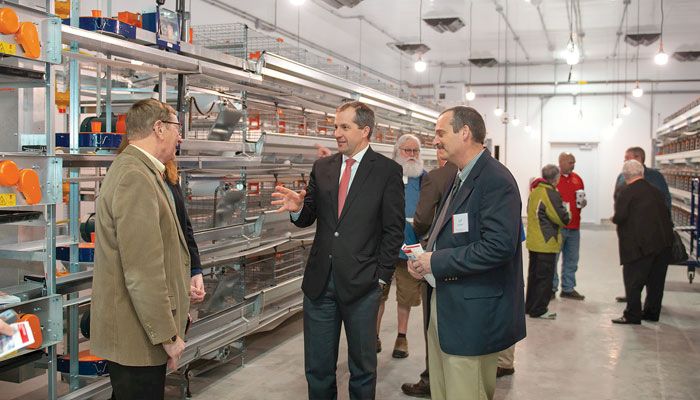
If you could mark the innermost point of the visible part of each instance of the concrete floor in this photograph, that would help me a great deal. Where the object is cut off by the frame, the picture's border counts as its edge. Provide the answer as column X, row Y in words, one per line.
column 581, row 355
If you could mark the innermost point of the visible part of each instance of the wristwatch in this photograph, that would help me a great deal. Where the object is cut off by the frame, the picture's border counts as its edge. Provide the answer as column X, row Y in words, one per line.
column 171, row 340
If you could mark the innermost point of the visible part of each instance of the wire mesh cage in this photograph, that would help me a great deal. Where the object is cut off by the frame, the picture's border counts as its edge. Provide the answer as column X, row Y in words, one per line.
column 263, row 271
column 213, row 202
column 225, row 288
column 290, row 263
column 260, row 189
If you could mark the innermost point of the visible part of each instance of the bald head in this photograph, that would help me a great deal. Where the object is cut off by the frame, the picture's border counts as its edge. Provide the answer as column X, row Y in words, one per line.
column 567, row 161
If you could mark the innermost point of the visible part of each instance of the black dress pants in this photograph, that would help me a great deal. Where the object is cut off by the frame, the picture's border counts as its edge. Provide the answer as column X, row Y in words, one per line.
column 649, row 271
column 323, row 318
column 136, row 383
column 539, row 282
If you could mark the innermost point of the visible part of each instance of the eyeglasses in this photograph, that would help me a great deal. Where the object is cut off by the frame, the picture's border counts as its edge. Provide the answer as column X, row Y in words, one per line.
column 410, row 151
column 171, row 122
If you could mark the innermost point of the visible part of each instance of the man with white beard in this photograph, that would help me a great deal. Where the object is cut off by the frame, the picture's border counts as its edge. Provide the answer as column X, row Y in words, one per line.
column 408, row 289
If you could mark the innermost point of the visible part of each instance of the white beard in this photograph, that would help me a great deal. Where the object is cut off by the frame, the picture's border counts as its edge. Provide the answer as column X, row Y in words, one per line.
column 412, row 168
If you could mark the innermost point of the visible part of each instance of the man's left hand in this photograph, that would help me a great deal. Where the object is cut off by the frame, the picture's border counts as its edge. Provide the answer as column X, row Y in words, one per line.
column 197, row 292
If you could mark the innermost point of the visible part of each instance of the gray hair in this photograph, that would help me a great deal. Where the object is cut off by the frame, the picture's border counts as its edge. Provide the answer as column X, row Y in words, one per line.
column 632, row 169
column 468, row 116
column 403, row 139
column 550, row 173
column 143, row 115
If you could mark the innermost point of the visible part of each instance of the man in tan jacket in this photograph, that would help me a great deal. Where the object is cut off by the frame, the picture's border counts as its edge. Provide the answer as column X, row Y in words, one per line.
column 140, row 294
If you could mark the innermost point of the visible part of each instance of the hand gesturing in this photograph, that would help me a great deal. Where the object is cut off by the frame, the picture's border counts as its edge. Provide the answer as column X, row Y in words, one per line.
column 287, row 199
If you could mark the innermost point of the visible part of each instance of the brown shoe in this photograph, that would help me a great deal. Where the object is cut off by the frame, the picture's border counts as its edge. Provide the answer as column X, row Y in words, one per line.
column 573, row 295
column 400, row 348
column 379, row 345
column 504, row 371
column 420, row 389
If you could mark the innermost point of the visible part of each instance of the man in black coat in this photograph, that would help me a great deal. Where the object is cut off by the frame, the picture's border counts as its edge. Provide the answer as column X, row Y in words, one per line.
column 356, row 198
column 645, row 235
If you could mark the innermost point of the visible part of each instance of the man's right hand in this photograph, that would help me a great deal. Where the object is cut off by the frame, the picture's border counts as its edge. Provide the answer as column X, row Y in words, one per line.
column 6, row 329
column 174, row 351
column 288, row 200
column 322, row 151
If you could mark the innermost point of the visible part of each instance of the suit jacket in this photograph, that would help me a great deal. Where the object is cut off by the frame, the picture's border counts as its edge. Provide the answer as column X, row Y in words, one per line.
column 140, row 289
column 643, row 223
column 363, row 244
column 434, row 185
column 479, row 273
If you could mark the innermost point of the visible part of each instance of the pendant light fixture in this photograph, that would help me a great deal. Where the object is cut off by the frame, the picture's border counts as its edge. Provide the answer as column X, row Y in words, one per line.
column 498, row 111
column 638, row 91
column 470, row 95
column 626, row 110
column 515, row 121
column 661, row 58
column 527, row 128
column 420, row 65
column 572, row 53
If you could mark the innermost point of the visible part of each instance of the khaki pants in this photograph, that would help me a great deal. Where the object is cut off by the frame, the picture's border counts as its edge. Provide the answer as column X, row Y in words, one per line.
column 506, row 357
column 458, row 377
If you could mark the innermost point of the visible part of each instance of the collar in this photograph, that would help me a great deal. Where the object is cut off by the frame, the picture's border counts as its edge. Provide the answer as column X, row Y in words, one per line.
column 156, row 162
column 357, row 157
column 464, row 173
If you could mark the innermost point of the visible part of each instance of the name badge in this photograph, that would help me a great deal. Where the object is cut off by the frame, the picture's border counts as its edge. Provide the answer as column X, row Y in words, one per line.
column 460, row 223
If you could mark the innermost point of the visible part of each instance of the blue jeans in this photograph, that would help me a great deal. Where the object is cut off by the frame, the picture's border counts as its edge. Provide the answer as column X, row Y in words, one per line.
column 571, row 241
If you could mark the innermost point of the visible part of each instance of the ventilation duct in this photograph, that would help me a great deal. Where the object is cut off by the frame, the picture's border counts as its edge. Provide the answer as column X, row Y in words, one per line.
column 483, row 62
column 412, row 48
column 641, row 39
column 342, row 3
column 686, row 55
column 444, row 24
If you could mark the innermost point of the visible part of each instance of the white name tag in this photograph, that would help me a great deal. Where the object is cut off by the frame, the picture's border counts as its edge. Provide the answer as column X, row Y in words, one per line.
column 460, row 223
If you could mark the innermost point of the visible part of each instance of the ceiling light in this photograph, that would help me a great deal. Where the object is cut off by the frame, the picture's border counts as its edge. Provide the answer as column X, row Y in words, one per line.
column 420, row 65
column 515, row 121
column 498, row 111
column 470, row 95
column 297, row 2
column 527, row 129
column 661, row 58
column 637, row 91
column 626, row 110
column 617, row 121
column 572, row 54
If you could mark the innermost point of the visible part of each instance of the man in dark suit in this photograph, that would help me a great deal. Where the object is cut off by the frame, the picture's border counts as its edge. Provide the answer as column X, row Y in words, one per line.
column 474, row 254
column 356, row 198
column 645, row 236
column 435, row 184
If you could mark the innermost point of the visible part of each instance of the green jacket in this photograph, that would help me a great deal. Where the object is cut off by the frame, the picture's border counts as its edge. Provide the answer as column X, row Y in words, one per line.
column 546, row 214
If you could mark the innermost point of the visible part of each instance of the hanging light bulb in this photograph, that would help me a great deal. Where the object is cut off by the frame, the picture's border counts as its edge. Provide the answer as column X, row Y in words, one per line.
column 618, row 121
column 572, row 54
column 527, row 129
column 626, row 110
column 637, row 91
column 420, row 65
column 498, row 111
column 297, row 2
column 515, row 121
column 661, row 58
column 470, row 96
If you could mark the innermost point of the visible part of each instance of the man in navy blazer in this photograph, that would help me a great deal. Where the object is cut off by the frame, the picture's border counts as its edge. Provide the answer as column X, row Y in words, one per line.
column 474, row 254
column 356, row 198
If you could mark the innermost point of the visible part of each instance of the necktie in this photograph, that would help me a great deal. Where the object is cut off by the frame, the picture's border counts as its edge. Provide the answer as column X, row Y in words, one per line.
column 441, row 218
column 344, row 184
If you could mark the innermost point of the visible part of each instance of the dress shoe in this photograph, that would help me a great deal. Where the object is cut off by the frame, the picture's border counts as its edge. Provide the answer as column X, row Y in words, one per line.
column 547, row 315
column 400, row 347
column 379, row 345
column 504, row 372
column 420, row 389
column 650, row 318
column 621, row 299
column 623, row 320
column 573, row 295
